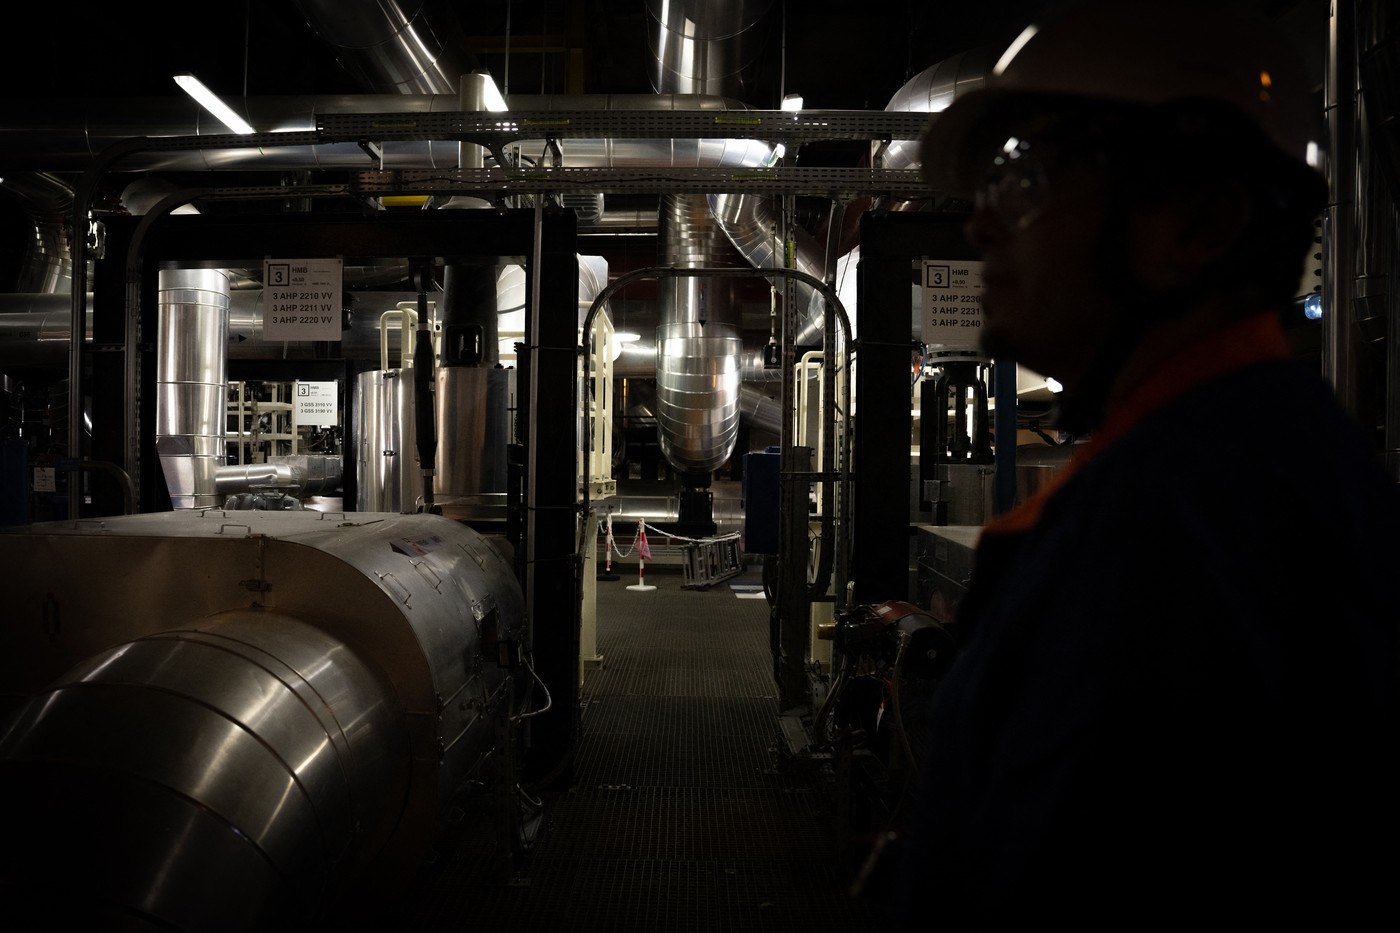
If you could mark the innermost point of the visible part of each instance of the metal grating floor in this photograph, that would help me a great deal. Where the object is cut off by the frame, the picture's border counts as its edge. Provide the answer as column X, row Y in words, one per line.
column 678, row 818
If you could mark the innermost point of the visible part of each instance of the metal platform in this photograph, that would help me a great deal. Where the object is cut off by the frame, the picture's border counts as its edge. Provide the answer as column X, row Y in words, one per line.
column 679, row 818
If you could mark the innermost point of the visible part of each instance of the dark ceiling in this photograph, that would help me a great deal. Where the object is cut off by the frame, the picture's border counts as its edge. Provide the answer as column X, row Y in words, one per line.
column 839, row 55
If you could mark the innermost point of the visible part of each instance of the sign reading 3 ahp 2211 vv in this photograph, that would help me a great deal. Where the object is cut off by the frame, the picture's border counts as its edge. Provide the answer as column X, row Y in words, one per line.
column 301, row 299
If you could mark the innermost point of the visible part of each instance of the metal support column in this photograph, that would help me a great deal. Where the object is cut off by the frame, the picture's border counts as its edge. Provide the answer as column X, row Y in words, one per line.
column 892, row 248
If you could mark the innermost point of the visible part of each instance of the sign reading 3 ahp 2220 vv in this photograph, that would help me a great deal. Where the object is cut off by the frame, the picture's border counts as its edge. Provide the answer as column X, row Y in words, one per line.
column 301, row 299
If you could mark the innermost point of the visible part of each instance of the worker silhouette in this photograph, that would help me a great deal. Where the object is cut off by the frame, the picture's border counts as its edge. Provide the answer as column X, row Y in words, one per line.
column 1175, row 695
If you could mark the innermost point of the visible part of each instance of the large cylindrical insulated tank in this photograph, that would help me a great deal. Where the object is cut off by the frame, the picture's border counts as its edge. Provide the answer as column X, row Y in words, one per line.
column 232, row 720
column 471, row 409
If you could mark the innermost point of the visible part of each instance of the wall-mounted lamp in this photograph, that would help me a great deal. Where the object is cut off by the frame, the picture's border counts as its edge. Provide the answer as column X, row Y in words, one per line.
column 211, row 102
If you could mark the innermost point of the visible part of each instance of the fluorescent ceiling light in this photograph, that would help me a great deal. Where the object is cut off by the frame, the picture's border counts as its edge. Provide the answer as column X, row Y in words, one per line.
column 211, row 102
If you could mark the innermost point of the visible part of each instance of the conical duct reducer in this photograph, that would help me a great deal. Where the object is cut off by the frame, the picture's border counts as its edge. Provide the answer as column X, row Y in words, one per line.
column 697, row 391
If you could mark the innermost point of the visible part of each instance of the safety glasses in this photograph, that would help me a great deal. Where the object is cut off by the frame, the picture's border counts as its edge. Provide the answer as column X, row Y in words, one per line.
column 1022, row 171
column 1016, row 188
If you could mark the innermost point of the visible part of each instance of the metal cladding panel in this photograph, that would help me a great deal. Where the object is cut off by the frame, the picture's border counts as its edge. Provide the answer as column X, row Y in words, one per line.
column 406, row 592
column 472, row 429
column 268, row 747
column 389, row 478
column 190, row 382
column 309, row 680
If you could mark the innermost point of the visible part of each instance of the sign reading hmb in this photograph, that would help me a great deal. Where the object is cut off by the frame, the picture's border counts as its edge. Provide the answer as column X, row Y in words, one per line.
column 301, row 299
column 952, row 304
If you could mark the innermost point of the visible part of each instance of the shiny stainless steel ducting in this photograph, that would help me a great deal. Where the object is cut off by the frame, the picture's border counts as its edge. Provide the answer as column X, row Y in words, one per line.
column 298, row 475
column 239, row 720
column 697, row 394
column 931, row 91
column 48, row 261
column 751, row 221
column 387, row 477
column 35, row 329
column 698, row 345
column 252, row 740
column 403, row 45
column 761, row 408
column 752, row 225
column 699, row 46
column 191, row 383
column 708, row 48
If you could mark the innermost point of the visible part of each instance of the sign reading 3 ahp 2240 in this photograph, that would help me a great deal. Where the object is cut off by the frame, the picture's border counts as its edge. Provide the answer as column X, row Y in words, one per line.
column 301, row 299
column 952, row 304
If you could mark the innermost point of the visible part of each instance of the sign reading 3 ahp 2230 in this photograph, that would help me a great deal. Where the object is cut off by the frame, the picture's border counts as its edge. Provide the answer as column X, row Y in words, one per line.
column 952, row 304
column 301, row 299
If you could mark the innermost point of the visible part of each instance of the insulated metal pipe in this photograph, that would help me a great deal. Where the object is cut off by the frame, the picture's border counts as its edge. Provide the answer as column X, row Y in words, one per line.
column 231, row 745
column 191, row 383
column 241, row 719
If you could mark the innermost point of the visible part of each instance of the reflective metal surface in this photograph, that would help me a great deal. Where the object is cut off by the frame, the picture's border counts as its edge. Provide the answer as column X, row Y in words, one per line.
column 301, row 475
column 68, row 135
column 252, row 738
column 388, row 471
column 191, row 383
column 697, row 393
column 472, row 429
column 270, row 721
column 697, row 47
column 389, row 45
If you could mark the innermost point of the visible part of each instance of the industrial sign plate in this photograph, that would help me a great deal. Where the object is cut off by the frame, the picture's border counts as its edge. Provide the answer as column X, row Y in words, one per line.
column 301, row 299
column 951, row 317
column 316, row 403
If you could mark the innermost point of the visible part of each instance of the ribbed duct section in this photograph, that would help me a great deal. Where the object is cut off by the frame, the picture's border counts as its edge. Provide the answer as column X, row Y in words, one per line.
column 697, row 393
column 931, row 91
column 191, row 383
column 699, row 48
column 47, row 266
column 698, row 344
column 752, row 225
column 751, row 221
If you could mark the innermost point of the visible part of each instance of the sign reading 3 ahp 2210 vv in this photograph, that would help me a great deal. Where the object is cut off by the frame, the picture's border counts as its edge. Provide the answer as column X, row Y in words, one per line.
column 301, row 299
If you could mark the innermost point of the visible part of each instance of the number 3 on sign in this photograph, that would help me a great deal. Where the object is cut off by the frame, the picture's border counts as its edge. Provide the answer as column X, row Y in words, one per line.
column 935, row 276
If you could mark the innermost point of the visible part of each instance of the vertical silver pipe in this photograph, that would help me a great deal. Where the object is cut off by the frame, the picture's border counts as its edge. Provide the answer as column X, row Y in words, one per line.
column 699, row 48
column 191, row 383
column 698, row 345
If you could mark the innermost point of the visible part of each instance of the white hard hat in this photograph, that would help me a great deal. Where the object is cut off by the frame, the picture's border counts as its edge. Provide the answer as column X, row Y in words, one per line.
column 1132, row 52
